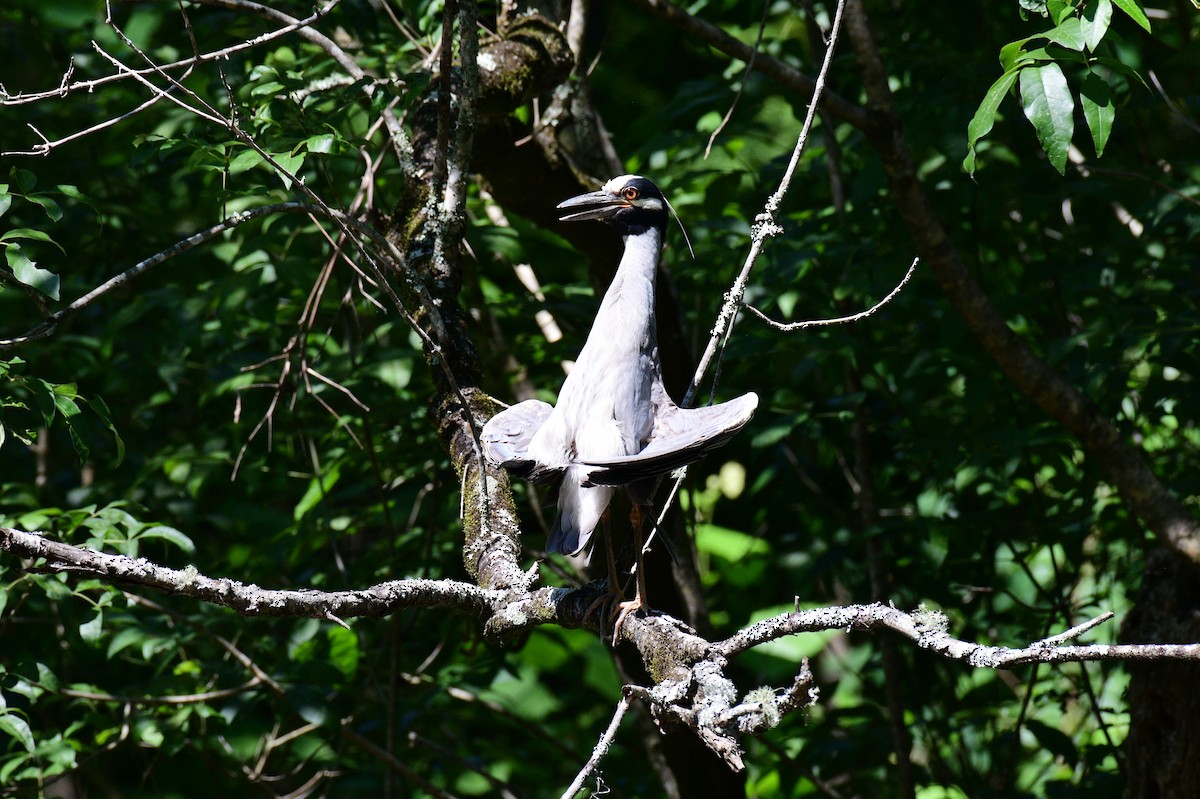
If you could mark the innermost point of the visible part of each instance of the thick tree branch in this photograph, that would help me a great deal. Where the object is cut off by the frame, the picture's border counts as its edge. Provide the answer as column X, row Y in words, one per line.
column 689, row 687
column 247, row 599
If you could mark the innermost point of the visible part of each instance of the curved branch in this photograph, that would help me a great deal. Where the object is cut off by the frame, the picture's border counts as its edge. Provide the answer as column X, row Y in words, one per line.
column 788, row 327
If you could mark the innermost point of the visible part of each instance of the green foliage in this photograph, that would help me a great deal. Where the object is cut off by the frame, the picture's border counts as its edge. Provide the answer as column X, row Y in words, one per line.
column 24, row 400
column 1046, row 95
column 273, row 424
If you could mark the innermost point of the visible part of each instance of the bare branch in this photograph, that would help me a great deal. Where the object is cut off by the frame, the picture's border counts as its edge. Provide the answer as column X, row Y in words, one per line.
column 66, row 87
column 765, row 225
column 600, row 750
column 247, row 599
column 927, row 629
column 690, row 686
column 172, row 699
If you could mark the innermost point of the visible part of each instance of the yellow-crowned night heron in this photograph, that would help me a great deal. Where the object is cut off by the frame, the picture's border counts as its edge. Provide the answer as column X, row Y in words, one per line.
column 614, row 424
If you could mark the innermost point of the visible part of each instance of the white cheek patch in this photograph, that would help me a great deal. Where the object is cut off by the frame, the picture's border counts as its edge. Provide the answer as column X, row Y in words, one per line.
column 649, row 203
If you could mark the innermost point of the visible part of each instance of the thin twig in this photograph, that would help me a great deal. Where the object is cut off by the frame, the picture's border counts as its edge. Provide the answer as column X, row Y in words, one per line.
column 841, row 320
column 600, row 750
column 764, row 227
column 1076, row 631
column 764, row 224
column 762, row 26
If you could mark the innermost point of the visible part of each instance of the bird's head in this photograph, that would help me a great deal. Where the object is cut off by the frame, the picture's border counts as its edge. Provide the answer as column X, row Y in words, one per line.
column 630, row 203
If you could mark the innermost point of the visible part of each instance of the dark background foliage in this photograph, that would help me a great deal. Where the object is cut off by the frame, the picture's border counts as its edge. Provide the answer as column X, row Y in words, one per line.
column 893, row 440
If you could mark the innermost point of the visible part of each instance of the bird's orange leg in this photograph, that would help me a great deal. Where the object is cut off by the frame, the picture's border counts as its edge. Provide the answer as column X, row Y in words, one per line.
column 639, row 600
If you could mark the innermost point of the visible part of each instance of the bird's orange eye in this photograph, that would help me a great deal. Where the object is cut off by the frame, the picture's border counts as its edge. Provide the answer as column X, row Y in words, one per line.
column 629, row 193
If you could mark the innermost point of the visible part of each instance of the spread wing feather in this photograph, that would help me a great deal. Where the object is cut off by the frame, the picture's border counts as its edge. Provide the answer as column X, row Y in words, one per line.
column 680, row 436
column 506, row 437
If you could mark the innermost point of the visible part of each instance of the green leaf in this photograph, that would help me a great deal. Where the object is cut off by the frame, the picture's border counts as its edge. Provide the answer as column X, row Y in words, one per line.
column 90, row 630
column 24, row 179
column 169, row 534
column 1014, row 54
column 985, row 117
column 1068, row 34
column 47, row 678
column 1059, row 10
column 50, row 206
column 27, row 233
column 1095, row 21
column 16, row 726
column 243, row 161
column 73, row 192
column 1134, row 10
column 5, row 199
column 43, row 397
column 318, row 488
column 323, row 143
column 1122, row 69
column 128, row 637
column 1098, row 109
column 290, row 164
column 78, row 432
column 344, row 651
column 1049, row 106
column 65, row 403
column 28, row 273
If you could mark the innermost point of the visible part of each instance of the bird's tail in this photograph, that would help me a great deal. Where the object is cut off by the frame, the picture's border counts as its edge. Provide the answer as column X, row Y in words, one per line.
column 579, row 511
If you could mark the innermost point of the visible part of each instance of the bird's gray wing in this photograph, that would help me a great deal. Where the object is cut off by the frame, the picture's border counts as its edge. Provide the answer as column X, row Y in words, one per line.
column 681, row 436
column 507, row 435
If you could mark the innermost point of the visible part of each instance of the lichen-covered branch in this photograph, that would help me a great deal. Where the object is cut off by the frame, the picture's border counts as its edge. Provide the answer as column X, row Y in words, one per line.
column 689, row 681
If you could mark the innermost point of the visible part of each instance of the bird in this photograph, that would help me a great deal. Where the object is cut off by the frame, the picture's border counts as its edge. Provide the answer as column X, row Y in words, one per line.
column 614, row 423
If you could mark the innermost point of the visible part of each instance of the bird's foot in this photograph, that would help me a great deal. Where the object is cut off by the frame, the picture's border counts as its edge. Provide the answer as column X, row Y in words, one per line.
column 603, row 605
column 597, row 604
column 622, row 611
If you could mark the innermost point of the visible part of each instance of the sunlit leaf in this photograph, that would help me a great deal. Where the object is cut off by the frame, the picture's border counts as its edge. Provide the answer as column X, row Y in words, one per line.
column 1097, row 16
column 1068, row 34
column 1135, row 12
column 90, row 631
column 1047, row 102
column 18, row 728
column 29, row 273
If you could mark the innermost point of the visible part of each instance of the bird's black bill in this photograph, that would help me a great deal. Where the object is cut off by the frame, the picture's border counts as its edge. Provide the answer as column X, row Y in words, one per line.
column 593, row 205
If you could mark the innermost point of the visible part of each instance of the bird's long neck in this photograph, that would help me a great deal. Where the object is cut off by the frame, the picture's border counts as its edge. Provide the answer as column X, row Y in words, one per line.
column 624, row 323
column 638, row 267
column 642, row 250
